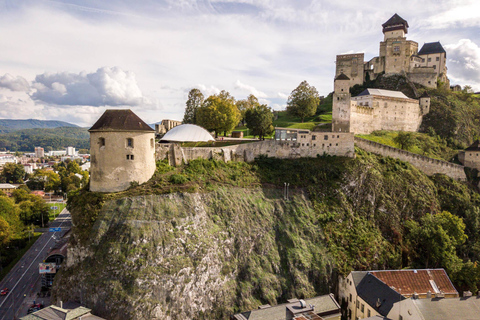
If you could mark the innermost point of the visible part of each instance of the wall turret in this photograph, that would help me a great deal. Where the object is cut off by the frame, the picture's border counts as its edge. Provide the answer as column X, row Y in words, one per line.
column 424, row 103
column 122, row 150
column 341, row 107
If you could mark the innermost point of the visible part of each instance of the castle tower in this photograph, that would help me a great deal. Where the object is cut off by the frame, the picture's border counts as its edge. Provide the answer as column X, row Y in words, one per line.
column 122, row 150
column 395, row 27
column 341, row 104
column 424, row 103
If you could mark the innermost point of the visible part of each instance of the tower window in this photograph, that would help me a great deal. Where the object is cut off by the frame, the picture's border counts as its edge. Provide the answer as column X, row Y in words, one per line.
column 129, row 156
column 438, row 58
column 130, row 142
column 101, row 142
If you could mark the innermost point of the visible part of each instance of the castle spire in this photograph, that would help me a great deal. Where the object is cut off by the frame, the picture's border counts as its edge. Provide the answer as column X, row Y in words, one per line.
column 395, row 23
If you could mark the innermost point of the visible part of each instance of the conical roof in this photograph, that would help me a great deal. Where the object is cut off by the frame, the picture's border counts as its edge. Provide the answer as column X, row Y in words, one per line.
column 120, row 120
column 474, row 147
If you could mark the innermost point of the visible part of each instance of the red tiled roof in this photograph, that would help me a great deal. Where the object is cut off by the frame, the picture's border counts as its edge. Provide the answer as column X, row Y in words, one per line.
column 408, row 282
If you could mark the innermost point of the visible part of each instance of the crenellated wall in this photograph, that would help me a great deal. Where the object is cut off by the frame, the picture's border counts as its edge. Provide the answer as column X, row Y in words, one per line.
column 338, row 144
column 428, row 165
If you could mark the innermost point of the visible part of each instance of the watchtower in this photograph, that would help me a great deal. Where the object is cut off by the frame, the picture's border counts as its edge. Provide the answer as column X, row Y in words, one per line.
column 341, row 107
column 122, row 150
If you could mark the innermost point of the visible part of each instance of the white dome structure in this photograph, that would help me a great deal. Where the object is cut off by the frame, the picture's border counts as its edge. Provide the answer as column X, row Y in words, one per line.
column 188, row 133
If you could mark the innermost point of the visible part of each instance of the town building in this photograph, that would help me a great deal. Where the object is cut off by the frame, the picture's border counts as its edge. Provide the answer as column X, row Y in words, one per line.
column 397, row 55
column 7, row 188
column 318, row 308
column 438, row 308
column 39, row 152
column 7, row 158
column 71, row 151
column 60, row 313
column 122, row 151
column 375, row 109
column 371, row 293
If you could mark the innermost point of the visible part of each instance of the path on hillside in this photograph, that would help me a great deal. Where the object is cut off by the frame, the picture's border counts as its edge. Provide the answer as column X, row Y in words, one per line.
column 22, row 278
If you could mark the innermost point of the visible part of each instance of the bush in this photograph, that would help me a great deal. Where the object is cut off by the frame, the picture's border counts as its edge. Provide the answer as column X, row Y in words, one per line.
column 178, row 178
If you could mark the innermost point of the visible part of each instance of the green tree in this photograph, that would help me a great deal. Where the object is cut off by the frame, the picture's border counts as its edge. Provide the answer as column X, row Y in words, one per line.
column 219, row 113
column 259, row 120
column 195, row 101
column 303, row 101
column 5, row 231
column 246, row 104
column 405, row 140
column 13, row 173
column 433, row 242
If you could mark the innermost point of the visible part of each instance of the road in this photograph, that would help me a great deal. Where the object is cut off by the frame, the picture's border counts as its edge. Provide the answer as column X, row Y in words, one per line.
column 22, row 278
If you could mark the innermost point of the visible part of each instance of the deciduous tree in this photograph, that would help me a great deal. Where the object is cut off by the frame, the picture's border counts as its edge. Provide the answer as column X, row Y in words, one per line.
column 195, row 101
column 259, row 120
column 219, row 113
column 13, row 173
column 303, row 101
column 245, row 104
column 404, row 140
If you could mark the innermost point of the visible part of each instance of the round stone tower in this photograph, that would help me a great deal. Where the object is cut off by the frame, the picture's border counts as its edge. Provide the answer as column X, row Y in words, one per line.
column 122, row 150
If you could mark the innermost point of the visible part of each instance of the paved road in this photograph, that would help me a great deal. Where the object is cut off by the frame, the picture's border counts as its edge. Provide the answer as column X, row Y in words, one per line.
column 22, row 278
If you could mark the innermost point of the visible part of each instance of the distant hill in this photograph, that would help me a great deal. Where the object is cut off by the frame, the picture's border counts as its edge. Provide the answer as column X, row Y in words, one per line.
column 9, row 125
column 50, row 139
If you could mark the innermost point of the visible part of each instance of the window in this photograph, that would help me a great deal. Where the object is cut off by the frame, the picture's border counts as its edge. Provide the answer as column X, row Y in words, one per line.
column 336, row 145
column 429, row 59
column 423, row 60
column 152, row 143
column 314, row 137
column 368, row 313
column 362, row 307
column 338, row 136
column 101, row 142
column 358, row 304
column 325, row 137
column 350, row 297
column 129, row 156
column 434, row 67
column 396, row 49
column 438, row 59
column 130, row 142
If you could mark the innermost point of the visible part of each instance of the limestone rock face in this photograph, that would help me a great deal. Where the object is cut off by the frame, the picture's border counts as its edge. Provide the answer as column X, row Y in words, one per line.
column 188, row 256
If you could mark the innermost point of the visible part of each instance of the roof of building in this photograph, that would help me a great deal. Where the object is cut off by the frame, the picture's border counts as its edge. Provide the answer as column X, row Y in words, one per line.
column 187, row 133
column 322, row 304
column 448, row 308
column 342, row 76
column 408, row 282
column 358, row 276
column 384, row 93
column 377, row 294
column 395, row 23
column 431, row 47
column 474, row 146
column 7, row 186
column 120, row 120
column 57, row 313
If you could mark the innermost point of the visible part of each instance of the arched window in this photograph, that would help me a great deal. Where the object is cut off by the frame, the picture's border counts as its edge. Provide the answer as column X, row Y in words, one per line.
column 129, row 142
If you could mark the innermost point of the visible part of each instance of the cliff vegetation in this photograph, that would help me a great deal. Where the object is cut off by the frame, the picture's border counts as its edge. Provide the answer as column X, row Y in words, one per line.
column 209, row 239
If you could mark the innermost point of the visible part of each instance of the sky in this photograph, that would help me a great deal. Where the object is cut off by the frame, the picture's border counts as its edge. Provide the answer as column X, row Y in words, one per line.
column 71, row 60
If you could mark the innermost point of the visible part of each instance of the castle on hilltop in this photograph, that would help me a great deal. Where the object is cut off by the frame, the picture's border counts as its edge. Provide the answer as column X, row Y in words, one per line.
column 397, row 56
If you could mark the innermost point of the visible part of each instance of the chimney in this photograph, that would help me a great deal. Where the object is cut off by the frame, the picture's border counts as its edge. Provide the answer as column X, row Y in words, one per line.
column 415, row 295
column 379, row 303
column 61, row 304
column 429, row 294
column 467, row 293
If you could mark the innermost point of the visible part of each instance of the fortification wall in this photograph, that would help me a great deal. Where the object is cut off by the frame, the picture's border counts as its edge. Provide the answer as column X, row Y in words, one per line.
column 339, row 144
column 427, row 79
column 428, row 165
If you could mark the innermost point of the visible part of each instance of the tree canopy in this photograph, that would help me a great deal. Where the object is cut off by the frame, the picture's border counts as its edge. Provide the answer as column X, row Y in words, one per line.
column 243, row 105
column 13, row 173
column 195, row 101
column 303, row 101
column 259, row 120
column 219, row 113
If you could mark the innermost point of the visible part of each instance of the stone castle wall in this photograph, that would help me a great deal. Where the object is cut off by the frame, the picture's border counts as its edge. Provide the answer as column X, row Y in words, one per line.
column 428, row 165
column 339, row 144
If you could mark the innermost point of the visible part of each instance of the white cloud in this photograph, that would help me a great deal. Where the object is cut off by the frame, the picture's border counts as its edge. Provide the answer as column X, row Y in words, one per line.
column 207, row 90
column 106, row 86
column 249, row 89
column 282, row 95
column 14, row 83
column 464, row 62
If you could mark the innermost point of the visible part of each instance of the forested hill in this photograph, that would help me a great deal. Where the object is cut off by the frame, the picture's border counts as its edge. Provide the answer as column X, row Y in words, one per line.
column 50, row 139
column 9, row 125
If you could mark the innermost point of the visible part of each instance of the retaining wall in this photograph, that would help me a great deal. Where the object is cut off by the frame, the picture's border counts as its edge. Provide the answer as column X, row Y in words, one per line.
column 428, row 165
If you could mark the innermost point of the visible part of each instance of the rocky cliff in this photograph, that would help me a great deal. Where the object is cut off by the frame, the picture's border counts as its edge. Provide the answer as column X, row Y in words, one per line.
column 210, row 239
